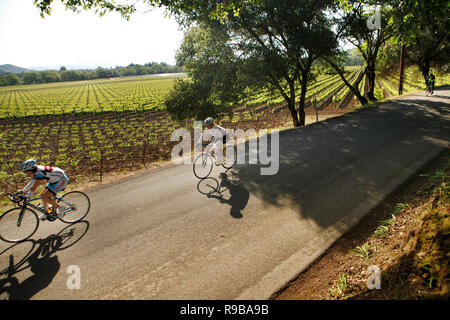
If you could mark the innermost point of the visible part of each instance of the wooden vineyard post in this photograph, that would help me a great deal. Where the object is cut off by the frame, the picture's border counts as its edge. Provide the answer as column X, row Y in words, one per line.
column 101, row 165
column 144, row 149
column 402, row 70
column 315, row 107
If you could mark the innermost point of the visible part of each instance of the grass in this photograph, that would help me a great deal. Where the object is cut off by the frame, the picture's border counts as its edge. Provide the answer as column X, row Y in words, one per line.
column 399, row 208
column 364, row 251
column 382, row 231
column 339, row 290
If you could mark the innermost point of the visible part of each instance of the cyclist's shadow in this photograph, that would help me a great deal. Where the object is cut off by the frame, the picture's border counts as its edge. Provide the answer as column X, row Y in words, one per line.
column 42, row 264
column 238, row 198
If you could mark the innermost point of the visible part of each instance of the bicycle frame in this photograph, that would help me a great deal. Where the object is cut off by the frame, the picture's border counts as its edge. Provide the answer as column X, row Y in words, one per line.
column 28, row 203
column 211, row 152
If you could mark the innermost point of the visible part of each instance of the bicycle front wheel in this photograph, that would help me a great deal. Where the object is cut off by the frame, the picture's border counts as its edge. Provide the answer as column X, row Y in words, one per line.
column 17, row 225
column 203, row 165
column 77, row 206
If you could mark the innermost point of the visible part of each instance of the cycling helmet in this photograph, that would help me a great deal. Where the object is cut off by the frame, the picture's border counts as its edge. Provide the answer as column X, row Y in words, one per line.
column 208, row 121
column 28, row 165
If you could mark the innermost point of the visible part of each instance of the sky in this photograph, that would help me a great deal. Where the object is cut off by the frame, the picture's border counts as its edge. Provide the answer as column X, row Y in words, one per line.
column 73, row 40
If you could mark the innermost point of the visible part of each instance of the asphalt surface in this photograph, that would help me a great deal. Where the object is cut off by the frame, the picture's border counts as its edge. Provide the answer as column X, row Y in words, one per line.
column 160, row 236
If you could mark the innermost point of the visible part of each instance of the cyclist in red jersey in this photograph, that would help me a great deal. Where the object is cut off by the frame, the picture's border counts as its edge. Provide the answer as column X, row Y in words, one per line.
column 55, row 177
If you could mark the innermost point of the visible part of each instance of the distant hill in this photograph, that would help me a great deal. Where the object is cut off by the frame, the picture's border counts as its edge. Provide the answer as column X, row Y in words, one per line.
column 9, row 68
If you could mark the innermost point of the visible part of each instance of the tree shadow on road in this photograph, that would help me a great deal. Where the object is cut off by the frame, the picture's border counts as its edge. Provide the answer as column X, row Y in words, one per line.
column 329, row 168
column 38, row 255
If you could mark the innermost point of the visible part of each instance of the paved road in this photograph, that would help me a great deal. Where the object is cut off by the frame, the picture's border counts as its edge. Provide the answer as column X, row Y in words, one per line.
column 155, row 236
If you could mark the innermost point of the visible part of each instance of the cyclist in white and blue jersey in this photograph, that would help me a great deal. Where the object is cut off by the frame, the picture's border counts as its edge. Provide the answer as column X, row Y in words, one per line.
column 216, row 134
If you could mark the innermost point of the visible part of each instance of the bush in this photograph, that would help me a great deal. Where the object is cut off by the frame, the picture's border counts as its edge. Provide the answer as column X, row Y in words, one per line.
column 188, row 101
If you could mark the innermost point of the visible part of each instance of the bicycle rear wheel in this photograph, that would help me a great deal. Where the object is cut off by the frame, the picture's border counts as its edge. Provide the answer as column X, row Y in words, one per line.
column 77, row 206
column 230, row 157
column 17, row 225
column 203, row 165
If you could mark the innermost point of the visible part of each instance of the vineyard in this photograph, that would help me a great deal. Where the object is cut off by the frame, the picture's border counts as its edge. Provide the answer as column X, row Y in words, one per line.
column 117, row 94
column 93, row 127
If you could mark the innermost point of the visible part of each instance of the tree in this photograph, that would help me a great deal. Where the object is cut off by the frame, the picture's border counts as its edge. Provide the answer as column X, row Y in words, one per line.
column 100, row 6
column 276, row 43
column 215, row 8
column 353, row 20
column 50, row 76
column 32, row 77
column 9, row 79
column 71, row 75
column 186, row 101
column 104, row 73
column 422, row 26
column 214, row 70
column 388, row 58
column 282, row 40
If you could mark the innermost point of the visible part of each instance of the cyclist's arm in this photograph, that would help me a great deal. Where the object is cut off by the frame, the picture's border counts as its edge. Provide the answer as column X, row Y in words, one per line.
column 200, row 140
column 29, row 185
column 33, row 184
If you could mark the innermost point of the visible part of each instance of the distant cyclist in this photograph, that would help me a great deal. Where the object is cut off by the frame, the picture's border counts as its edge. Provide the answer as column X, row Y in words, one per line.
column 56, row 179
column 430, row 82
column 216, row 134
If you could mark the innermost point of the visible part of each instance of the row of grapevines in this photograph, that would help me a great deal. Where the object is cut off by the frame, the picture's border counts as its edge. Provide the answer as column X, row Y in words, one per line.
column 84, row 96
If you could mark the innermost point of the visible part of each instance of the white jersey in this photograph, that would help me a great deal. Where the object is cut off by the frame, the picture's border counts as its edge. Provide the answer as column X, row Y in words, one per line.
column 51, row 174
column 214, row 134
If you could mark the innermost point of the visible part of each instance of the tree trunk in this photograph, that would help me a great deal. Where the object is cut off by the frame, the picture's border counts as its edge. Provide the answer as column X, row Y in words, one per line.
column 425, row 69
column 301, row 107
column 291, row 105
column 354, row 89
column 370, row 78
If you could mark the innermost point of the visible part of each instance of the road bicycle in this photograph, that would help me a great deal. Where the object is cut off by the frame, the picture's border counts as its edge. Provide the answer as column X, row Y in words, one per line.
column 204, row 162
column 20, row 223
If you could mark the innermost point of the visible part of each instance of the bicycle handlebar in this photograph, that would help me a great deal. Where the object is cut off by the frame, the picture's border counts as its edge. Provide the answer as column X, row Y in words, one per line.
column 16, row 197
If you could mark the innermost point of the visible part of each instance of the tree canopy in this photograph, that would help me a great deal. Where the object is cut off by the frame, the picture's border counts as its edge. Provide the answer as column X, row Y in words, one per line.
column 235, row 44
column 216, row 9
column 422, row 27
column 269, row 44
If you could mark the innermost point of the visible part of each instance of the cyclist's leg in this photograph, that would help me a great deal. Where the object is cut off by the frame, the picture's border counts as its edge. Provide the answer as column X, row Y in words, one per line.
column 226, row 138
column 219, row 148
column 48, row 198
column 52, row 189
